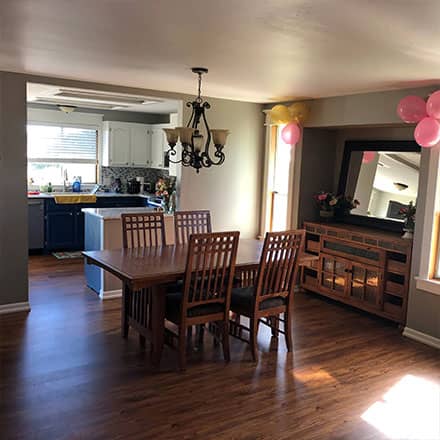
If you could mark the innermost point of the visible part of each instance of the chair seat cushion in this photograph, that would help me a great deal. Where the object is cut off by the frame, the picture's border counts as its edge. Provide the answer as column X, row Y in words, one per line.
column 174, row 300
column 243, row 300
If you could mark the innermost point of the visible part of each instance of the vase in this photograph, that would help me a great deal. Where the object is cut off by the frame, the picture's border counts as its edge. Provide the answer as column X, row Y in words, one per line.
column 408, row 229
column 326, row 215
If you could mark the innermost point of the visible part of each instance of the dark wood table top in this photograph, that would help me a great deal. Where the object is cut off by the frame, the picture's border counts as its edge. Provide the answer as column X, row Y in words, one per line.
column 142, row 267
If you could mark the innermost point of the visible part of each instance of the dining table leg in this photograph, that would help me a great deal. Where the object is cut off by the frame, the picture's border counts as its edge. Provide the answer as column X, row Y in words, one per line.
column 124, row 310
column 157, row 322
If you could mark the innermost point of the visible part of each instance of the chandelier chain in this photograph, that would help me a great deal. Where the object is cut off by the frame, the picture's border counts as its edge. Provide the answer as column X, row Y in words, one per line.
column 199, row 95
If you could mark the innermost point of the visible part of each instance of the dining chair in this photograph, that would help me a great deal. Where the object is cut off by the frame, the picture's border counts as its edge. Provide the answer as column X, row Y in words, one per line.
column 141, row 230
column 191, row 222
column 272, row 293
column 207, row 286
column 185, row 224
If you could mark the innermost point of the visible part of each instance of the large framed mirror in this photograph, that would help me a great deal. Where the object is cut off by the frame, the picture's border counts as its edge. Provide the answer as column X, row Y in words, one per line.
column 383, row 176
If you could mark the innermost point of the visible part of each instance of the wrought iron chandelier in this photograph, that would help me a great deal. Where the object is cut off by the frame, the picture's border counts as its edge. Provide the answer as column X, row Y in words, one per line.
column 195, row 149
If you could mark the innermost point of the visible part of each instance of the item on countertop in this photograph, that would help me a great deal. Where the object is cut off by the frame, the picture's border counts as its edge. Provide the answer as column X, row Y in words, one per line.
column 133, row 186
column 49, row 187
column 409, row 216
column 149, row 187
column 117, row 185
column 76, row 185
column 166, row 188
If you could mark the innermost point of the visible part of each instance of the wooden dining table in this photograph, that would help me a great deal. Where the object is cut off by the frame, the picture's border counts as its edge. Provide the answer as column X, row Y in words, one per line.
column 157, row 268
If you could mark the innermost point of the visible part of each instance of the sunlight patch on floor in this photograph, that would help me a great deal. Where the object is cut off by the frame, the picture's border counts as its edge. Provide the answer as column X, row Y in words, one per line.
column 409, row 410
column 313, row 376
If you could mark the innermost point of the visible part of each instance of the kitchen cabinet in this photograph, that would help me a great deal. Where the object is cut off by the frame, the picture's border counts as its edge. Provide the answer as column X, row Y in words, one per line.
column 61, row 230
column 36, row 224
column 64, row 223
column 140, row 142
column 159, row 147
column 126, row 144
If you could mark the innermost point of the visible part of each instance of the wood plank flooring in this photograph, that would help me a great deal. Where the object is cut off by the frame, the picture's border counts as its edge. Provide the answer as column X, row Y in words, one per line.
column 65, row 373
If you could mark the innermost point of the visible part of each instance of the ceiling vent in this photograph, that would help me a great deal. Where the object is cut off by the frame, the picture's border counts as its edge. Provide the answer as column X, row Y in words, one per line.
column 93, row 99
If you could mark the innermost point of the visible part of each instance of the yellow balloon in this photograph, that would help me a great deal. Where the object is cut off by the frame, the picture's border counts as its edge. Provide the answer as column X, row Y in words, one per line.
column 280, row 114
column 299, row 112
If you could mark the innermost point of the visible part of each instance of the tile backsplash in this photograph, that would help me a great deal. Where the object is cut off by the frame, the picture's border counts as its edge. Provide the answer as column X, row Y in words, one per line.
column 128, row 173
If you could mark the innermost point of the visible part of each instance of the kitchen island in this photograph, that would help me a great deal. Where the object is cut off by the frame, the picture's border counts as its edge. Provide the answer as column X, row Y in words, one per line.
column 103, row 230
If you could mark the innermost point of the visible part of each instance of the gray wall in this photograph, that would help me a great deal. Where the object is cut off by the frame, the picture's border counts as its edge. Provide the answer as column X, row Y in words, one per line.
column 13, row 200
column 231, row 191
column 317, row 170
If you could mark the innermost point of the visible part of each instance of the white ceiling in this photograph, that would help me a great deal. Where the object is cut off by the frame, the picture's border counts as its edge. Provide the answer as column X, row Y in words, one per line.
column 393, row 171
column 256, row 50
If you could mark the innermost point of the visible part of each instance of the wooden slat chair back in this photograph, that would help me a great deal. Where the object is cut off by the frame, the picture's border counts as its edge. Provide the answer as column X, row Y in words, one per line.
column 210, row 269
column 191, row 222
column 143, row 230
column 272, row 292
column 140, row 230
column 278, row 265
column 207, row 287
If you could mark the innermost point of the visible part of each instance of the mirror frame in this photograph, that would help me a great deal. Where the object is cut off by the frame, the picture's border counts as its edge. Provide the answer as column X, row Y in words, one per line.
column 372, row 145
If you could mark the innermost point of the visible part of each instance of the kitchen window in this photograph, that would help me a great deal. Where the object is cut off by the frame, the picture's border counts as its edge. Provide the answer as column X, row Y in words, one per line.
column 57, row 152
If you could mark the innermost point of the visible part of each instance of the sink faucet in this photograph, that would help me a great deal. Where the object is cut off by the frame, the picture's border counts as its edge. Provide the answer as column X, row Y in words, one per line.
column 65, row 181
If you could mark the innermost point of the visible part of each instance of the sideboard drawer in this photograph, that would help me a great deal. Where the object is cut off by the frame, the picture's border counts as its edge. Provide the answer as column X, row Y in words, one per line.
column 345, row 249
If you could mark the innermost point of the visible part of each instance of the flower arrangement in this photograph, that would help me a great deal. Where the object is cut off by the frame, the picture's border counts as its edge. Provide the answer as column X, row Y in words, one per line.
column 408, row 214
column 326, row 201
column 330, row 205
column 166, row 189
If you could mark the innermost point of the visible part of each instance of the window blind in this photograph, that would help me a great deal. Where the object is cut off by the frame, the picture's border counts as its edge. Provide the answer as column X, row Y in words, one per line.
column 47, row 142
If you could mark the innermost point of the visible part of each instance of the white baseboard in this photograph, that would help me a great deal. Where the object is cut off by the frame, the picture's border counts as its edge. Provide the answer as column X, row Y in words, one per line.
column 15, row 307
column 110, row 294
column 421, row 337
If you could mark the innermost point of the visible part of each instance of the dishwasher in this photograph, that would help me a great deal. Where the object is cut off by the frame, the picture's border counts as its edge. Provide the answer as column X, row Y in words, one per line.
column 36, row 224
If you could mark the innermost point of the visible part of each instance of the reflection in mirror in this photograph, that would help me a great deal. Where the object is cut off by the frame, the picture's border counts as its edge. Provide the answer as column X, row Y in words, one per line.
column 383, row 182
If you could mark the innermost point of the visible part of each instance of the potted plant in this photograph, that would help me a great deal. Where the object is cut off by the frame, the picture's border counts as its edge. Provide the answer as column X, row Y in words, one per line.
column 326, row 202
column 408, row 214
column 166, row 189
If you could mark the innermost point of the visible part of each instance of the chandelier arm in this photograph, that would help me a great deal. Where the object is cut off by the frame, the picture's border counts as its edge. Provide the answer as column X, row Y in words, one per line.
column 172, row 152
column 190, row 104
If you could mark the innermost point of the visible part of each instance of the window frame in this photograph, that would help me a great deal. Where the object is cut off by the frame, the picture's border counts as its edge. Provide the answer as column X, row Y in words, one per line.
column 427, row 225
column 79, row 125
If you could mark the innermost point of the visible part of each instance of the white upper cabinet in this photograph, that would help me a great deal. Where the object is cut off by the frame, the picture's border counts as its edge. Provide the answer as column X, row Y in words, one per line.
column 126, row 144
column 117, row 144
column 158, row 144
column 140, row 145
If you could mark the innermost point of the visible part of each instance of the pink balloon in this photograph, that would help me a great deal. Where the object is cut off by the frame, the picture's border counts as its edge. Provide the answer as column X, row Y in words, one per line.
column 427, row 132
column 291, row 133
column 368, row 156
column 433, row 105
column 411, row 109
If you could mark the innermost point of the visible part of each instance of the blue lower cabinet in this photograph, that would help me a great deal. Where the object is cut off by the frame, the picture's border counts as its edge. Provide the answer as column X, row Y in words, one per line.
column 60, row 230
column 64, row 223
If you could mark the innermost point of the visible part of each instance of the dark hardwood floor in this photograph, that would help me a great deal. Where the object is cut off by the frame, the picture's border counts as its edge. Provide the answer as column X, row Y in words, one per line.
column 65, row 373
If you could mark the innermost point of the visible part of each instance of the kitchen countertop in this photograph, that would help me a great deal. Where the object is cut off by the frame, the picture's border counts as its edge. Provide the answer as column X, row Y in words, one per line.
column 99, row 194
column 115, row 213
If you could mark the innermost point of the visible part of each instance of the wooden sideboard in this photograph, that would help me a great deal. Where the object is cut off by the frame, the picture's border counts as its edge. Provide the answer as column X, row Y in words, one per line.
column 359, row 266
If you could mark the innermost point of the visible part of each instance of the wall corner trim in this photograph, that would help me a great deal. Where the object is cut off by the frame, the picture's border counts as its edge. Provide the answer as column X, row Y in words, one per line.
column 15, row 307
column 110, row 294
column 421, row 337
